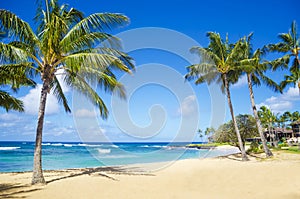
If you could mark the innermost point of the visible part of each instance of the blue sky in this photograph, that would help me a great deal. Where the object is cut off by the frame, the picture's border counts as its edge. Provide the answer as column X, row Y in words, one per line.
column 180, row 22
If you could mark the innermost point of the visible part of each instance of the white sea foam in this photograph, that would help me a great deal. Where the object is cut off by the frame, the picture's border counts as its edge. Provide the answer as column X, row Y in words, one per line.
column 158, row 146
column 9, row 148
column 90, row 145
column 104, row 151
column 116, row 156
column 68, row 145
column 57, row 144
column 46, row 144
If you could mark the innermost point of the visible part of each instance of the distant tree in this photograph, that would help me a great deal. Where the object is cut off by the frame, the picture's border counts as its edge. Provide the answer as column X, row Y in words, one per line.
column 248, row 129
column 209, row 131
column 268, row 119
column 295, row 116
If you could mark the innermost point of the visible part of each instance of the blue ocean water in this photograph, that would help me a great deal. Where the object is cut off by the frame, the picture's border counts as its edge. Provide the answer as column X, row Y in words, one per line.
column 18, row 156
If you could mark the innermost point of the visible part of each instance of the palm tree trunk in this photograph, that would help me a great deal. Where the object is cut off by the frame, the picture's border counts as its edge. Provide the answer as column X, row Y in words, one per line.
column 37, row 177
column 244, row 155
column 258, row 123
column 270, row 134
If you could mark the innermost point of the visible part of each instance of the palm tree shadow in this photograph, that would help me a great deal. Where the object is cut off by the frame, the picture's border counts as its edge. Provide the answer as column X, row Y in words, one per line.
column 238, row 157
column 18, row 190
column 103, row 172
column 13, row 190
column 235, row 157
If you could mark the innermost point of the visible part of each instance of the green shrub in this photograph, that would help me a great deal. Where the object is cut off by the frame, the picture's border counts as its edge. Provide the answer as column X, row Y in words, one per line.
column 284, row 144
column 255, row 148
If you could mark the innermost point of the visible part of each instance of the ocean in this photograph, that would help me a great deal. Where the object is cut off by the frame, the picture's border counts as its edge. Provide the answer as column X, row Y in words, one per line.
column 18, row 156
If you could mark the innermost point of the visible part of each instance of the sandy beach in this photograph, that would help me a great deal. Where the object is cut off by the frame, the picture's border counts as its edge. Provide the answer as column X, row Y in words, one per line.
column 223, row 177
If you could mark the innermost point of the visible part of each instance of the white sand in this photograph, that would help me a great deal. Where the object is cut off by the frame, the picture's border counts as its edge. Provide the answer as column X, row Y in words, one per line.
column 206, row 178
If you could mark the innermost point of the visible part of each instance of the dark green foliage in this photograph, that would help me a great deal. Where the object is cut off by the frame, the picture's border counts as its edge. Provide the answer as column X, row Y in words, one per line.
column 246, row 124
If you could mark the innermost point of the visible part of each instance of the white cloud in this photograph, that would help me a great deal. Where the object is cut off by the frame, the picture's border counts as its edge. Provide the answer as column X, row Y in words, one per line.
column 85, row 113
column 282, row 102
column 188, row 106
column 9, row 117
column 60, row 76
column 242, row 82
column 32, row 101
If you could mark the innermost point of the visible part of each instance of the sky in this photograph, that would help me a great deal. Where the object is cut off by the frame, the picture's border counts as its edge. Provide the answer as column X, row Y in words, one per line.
column 160, row 105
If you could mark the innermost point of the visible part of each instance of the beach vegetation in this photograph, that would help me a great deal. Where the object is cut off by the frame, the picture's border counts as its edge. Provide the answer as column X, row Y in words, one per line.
column 248, row 129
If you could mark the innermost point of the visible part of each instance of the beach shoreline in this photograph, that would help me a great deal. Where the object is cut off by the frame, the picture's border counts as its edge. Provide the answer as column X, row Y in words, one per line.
column 221, row 177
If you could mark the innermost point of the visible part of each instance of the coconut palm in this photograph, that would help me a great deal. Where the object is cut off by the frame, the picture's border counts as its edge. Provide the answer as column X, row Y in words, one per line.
column 295, row 116
column 67, row 43
column 255, row 68
column 293, row 78
column 218, row 63
column 268, row 118
column 290, row 45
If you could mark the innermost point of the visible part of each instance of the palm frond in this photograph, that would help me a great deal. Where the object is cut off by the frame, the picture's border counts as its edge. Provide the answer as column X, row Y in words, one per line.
column 216, row 45
column 286, row 38
column 16, row 75
column 10, row 103
column 206, row 56
column 89, row 40
column 11, row 53
column 270, row 83
column 79, row 83
column 59, row 93
column 95, row 22
column 17, row 28
column 95, row 60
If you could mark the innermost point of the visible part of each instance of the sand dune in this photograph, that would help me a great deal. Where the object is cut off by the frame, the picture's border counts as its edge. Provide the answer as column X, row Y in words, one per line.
column 225, row 177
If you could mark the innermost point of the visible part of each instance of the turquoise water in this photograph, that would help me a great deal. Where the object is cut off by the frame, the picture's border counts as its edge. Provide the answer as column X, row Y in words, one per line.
column 18, row 156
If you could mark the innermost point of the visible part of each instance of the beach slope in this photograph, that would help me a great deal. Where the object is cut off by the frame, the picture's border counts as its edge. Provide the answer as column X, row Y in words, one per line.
column 225, row 177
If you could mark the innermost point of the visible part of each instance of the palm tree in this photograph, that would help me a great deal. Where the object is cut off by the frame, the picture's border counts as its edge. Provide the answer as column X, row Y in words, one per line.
column 290, row 45
column 66, row 43
column 255, row 68
column 218, row 63
column 293, row 78
column 268, row 118
column 13, row 75
column 295, row 116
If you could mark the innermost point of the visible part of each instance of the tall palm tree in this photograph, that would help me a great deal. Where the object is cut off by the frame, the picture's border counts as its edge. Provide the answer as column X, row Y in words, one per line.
column 69, row 44
column 218, row 63
column 12, row 75
column 290, row 45
column 255, row 68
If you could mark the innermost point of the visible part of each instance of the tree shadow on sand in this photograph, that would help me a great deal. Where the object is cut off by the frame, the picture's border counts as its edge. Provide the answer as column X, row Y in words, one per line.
column 19, row 190
column 15, row 190
column 237, row 157
column 101, row 171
